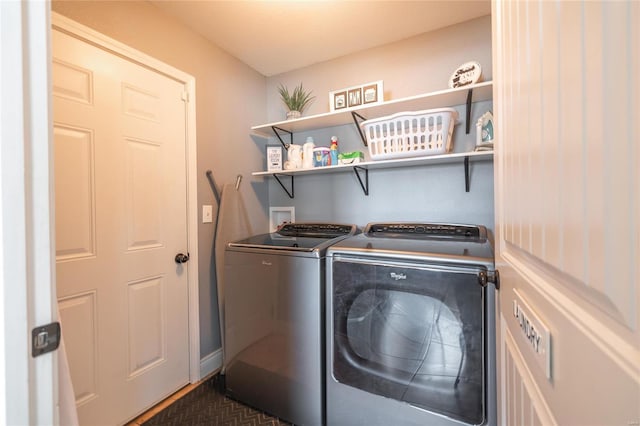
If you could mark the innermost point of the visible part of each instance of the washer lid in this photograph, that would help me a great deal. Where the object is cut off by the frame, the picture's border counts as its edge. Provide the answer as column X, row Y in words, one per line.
column 304, row 237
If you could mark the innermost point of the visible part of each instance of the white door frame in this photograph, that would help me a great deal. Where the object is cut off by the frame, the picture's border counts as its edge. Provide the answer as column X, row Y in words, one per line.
column 84, row 33
column 27, row 266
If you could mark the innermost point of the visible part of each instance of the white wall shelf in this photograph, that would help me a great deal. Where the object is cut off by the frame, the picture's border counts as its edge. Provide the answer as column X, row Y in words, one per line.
column 364, row 167
column 440, row 99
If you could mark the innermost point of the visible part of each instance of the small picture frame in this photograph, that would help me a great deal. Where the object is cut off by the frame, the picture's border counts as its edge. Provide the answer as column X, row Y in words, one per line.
column 340, row 100
column 355, row 97
column 370, row 93
column 274, row 158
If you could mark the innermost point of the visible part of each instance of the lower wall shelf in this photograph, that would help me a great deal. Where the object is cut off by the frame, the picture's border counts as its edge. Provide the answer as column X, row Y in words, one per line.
column 362, row 169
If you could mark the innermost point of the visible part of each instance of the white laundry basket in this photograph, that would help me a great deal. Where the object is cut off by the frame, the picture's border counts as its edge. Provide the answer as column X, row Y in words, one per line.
column 410, row 134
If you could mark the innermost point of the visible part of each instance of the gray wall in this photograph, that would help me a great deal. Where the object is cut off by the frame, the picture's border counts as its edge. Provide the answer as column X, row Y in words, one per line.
column 417, row 65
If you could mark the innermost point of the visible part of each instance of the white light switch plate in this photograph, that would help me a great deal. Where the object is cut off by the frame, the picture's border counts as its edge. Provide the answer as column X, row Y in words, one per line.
column 207, row 214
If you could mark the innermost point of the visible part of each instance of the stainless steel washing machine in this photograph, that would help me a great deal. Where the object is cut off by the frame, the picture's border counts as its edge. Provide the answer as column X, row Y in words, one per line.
column 411, row 326
column 274, row 320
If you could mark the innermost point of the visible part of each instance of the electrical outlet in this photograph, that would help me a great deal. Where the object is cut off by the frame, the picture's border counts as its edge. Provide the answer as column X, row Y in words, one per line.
column 207, row 214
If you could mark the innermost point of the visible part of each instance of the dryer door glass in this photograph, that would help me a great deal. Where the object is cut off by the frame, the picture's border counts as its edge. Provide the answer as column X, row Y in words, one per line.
column 412, row 333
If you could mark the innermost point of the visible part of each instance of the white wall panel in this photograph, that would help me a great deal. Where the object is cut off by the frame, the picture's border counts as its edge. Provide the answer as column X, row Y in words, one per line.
column 548, row 52
column 595, row 149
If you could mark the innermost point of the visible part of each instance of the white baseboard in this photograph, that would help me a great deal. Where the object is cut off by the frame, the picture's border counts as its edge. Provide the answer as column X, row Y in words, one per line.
column 210, row 363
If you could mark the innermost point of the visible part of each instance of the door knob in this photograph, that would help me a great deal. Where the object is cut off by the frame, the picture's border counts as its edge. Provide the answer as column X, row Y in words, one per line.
column 182, row 258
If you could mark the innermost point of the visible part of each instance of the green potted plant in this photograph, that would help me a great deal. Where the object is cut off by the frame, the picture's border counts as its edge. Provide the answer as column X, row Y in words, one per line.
column 296, row 101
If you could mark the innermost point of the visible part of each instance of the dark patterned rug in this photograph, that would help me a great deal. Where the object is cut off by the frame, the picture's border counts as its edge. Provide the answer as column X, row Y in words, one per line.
column 207, row 405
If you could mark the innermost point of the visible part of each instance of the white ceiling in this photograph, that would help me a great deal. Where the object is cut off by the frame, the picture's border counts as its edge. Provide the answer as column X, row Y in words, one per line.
column 279, row 36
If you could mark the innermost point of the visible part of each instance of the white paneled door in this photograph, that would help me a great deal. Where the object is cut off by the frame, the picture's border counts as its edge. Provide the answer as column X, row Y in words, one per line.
column 120, row 191
column 566, row 96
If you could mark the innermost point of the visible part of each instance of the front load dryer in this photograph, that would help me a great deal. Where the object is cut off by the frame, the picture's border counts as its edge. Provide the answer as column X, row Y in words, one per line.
column 411, row 326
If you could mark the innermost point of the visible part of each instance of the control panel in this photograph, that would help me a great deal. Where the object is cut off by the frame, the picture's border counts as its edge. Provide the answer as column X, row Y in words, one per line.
column 315, row 229
column 426, row 230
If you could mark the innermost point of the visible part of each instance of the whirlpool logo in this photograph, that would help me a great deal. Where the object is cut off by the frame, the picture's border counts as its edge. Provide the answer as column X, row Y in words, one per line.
column 397, row 276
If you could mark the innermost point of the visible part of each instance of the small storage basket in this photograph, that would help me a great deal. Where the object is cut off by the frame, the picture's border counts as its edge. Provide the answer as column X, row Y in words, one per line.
column 410, row 134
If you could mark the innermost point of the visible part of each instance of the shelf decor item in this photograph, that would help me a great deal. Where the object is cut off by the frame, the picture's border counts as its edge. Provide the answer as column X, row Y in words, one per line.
column 362, row 95
column 484, row 132
column 274, row 158
column 297, row 101
column 410, row 134
column 354, row 157
column 465, row 75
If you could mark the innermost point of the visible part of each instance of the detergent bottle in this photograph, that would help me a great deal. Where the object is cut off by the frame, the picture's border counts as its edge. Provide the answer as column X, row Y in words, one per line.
column 334, row 151
column 307, row 153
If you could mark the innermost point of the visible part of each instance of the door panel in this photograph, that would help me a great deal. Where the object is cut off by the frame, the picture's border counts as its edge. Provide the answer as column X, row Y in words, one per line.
column 80, row 331
column 567, row 190
column 121, row 217
column 526, row 405
column 74, row 148
column 147, row 345
column 144, row 208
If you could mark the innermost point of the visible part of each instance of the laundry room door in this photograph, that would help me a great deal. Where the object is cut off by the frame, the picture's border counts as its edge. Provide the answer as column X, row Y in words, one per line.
column 566, row 98
column 120, row 199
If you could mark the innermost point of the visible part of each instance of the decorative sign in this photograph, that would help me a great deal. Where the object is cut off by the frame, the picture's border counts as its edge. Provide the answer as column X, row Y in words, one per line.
column 274, row 158
column 534, row 333
column 466, row 74
column 350, row 97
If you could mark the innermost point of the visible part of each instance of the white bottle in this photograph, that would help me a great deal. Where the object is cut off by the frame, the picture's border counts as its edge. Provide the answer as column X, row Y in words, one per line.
column 307, row 153
column 294, row 155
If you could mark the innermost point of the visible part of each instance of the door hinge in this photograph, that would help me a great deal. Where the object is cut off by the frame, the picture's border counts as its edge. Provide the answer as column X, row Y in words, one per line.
column 185, row 96
column 45, row 338
column 492, row 277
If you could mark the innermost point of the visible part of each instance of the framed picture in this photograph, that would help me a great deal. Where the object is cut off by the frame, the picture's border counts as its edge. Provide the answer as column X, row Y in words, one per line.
column 370, row 93
column 355, row 97
column 274, row 158
column 340, row 100
column 351, row 97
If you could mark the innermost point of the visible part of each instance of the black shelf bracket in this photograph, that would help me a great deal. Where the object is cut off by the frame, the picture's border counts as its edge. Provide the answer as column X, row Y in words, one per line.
column 285, row 145
column 289, row 193
column 469, row 98
column 365, row 185
column 466, row 173
column 357, row 117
